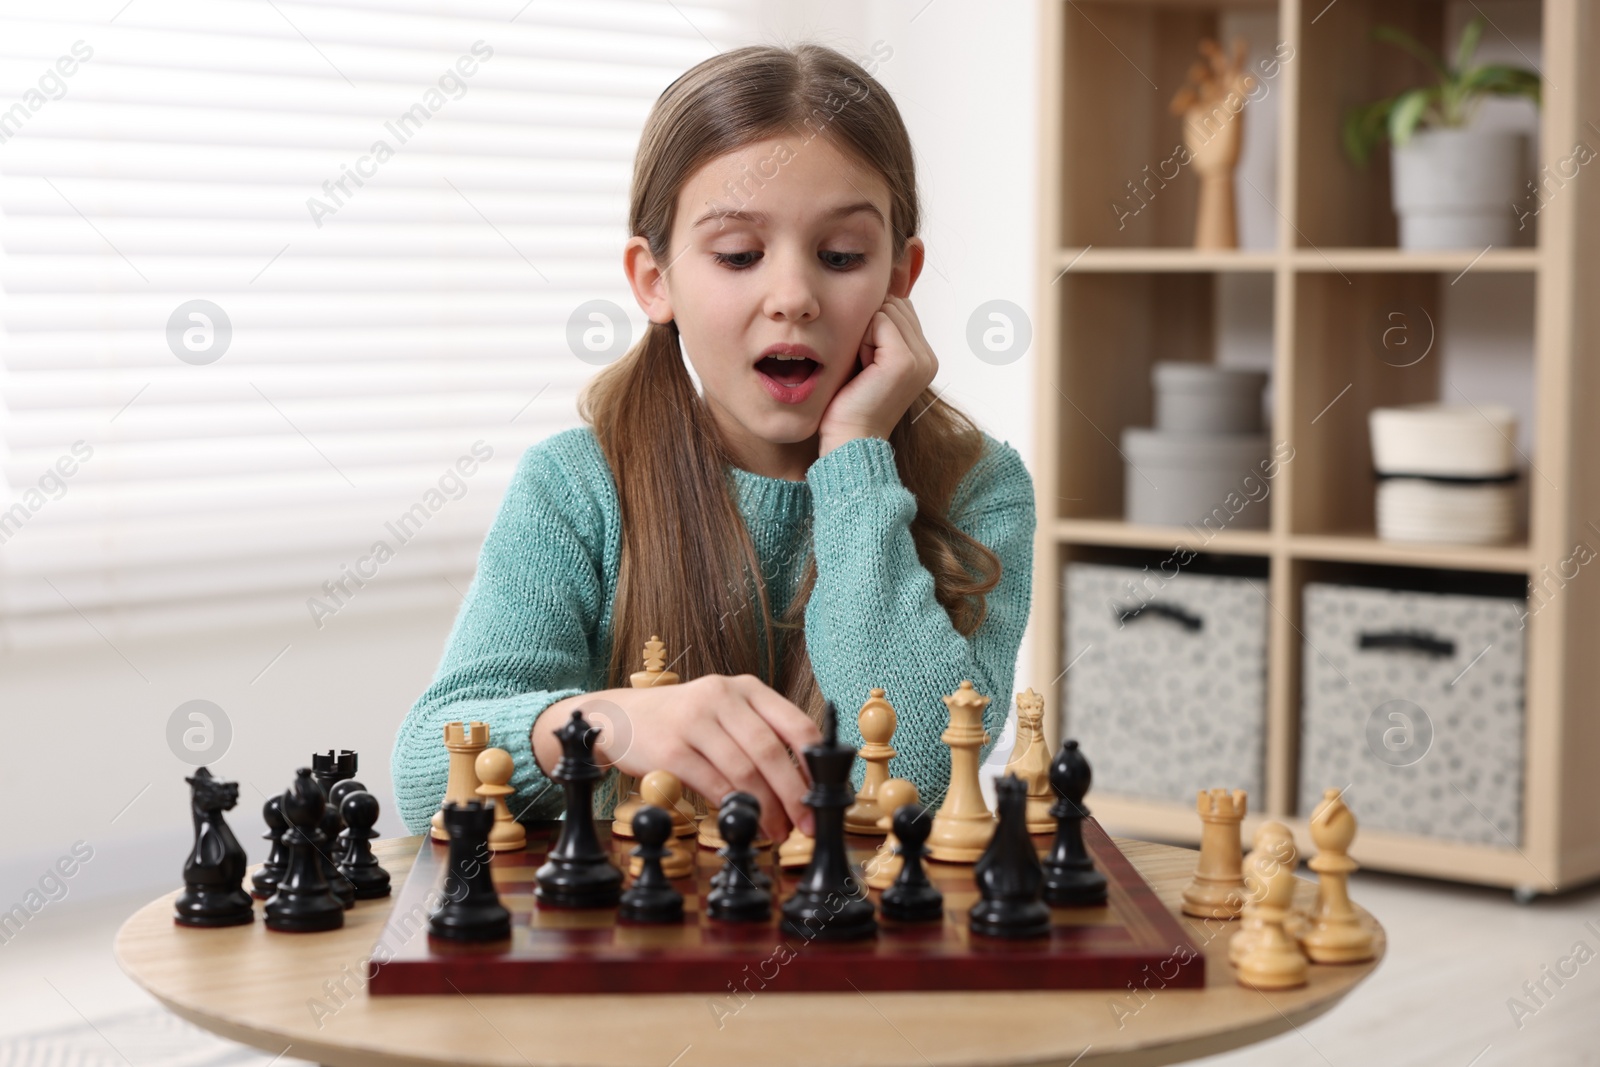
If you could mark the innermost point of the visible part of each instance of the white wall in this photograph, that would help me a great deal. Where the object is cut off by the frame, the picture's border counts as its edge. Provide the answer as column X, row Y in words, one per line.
column 87, row 757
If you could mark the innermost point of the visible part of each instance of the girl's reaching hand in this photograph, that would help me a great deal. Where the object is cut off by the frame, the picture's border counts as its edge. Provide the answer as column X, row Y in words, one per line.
column 717, row 733
column 896, row 365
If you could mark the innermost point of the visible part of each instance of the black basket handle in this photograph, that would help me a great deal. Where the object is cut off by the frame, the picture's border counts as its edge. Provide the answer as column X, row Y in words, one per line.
column 1192, row 623
column 1408, row 641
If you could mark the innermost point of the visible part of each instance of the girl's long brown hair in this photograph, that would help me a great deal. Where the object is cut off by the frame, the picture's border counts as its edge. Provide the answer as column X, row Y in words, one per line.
column 689, row 570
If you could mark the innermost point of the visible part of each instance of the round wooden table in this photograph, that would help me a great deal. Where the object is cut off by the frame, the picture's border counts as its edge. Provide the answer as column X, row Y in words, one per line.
column 263, row 989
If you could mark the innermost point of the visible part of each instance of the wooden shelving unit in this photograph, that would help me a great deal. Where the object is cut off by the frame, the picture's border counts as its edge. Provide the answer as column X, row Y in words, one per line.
column 1112, row 301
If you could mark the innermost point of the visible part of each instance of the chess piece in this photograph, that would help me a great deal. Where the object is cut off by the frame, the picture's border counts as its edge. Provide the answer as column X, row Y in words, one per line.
column 1275, row 841
column 1070, row 878
column 912, row 898
column 796, row 849
column 470, row 909
column 877, row 722
column 663, row 790
column 1214, row 134
column 1217, row 889
column 213, row 875
column 885, row 864
column 329, row 769
column 578, row 873
column 304, row 901
column 1030, row 761
column 336, row 789
column 737, row 895
column 651, row 898
column 264, row 882
column 654, row 673
column 756, row 874
column 1272, row 960
column 963, row 826
column 1009, row 877
column 494, row 768
column 359, row 810
column 709, row 835
column 464, row 741
column 1336, row 934
column 830, row 904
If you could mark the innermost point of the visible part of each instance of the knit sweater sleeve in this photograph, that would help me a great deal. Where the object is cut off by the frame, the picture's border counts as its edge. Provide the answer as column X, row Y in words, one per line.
column 522, row 639
column 872, row 619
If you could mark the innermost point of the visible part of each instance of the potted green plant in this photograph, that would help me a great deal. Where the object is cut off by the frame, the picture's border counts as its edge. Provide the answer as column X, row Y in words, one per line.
column 1453, row 185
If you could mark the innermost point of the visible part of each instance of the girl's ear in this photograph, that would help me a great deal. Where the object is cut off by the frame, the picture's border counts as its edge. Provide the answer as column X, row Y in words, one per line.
column 907, row 268
column 647, row 279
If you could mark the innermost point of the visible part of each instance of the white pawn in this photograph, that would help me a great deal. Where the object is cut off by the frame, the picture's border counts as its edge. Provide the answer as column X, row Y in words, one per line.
column 884, row 867
column 1275, row 840
column 665, row 791
column 877, row 721
column 494, row 768
column 1272, row 959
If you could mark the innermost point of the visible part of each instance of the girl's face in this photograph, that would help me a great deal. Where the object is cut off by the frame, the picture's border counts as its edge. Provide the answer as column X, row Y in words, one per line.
column 775, row 244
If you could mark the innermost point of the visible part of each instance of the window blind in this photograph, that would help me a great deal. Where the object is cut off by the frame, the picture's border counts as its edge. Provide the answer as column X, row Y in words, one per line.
column 283, row 285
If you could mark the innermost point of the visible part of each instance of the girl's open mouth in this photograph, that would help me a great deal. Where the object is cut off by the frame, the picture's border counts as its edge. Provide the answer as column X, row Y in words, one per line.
column 790, row 381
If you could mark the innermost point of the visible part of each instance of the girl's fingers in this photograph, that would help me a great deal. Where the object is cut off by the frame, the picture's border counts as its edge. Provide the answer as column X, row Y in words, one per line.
column 698, row 773
column 771, row 758
column 791, row 724
column 723, row 751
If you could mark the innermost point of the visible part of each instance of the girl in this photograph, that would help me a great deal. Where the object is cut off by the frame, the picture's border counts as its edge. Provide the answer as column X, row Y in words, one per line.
column 812, row 522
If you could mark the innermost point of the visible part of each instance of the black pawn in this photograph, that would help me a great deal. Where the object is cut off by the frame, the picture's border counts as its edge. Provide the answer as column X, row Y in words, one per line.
column 1008, row 873
column 912, row 898
column 1070, row 879
column 332, row 826
column 265, row 881
column 736, row 897
column 757, row 875
column 304, row 903
column 828, row 880
column 651, row 898
column 471, row 908
column 578, row 873
column 213, row 875
column 359, row 810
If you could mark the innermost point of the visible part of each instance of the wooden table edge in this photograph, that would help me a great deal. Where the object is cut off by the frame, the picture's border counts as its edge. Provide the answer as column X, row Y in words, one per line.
column 397, row 855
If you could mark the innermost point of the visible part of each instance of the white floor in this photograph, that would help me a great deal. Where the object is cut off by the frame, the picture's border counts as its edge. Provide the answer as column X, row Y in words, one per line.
column 1457, row 956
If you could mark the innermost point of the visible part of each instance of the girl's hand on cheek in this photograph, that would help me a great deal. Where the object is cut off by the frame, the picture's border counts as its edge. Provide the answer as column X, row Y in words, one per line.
column 896, row 365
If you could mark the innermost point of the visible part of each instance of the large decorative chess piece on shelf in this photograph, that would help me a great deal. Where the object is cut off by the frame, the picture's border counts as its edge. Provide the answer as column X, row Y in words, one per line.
column 963, row 826
column 1070, row 879
column 213, row 875
column 1008, row 873
column 831, row 903
column 578, row 873
column 304, row 902
column 471, row 908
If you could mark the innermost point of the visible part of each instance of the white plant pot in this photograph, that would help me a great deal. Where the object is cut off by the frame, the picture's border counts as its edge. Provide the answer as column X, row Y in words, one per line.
column 1454, row 188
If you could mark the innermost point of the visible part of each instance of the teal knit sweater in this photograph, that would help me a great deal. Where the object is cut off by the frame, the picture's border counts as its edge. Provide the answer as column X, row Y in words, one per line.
column 535, row 625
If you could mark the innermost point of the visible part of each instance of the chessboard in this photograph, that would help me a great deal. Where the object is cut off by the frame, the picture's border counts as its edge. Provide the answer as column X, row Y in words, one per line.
column 555, row 950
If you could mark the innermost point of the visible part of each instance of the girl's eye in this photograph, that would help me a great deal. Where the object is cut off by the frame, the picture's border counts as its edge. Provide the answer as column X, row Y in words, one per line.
column 841, row 261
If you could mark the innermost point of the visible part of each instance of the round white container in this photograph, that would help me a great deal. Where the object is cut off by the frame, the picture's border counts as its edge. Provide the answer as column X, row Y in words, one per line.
column 1199, row 398
column 1213, row 480
column 1454, row 188
column 1443, row 439
column 1410, row 509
